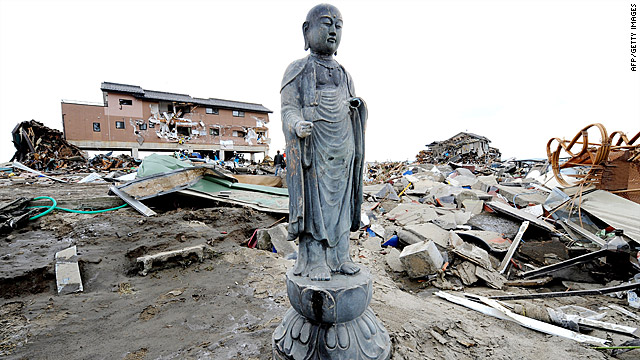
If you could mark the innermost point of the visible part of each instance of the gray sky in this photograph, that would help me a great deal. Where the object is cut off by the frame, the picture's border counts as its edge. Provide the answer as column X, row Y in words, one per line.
column 517, row 72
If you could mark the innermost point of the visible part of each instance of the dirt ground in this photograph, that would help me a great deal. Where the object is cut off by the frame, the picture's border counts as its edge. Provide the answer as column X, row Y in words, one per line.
column 225, row 307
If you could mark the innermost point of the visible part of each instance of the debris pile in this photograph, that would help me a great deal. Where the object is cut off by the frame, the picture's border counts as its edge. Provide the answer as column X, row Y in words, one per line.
column 464, row 148
column 106, row 162
column 42, row 148
column 457, row 229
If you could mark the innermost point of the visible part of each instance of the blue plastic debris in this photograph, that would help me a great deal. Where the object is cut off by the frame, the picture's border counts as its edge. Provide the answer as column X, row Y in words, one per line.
column 408, row 172
column 371, row 233
column 392, row 242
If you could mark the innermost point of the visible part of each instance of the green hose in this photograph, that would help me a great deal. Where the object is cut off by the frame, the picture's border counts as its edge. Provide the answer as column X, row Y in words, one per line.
column 55, row 206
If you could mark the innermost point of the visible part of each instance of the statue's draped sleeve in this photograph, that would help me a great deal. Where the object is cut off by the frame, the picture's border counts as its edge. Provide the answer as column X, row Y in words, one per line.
column 291, row 112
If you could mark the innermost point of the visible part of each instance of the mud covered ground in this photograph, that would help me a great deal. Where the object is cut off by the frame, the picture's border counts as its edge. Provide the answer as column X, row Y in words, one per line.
column 225, row 307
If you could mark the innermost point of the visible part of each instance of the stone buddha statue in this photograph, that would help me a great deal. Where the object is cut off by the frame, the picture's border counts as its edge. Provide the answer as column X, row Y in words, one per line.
column 324, row 126
column 324, row 122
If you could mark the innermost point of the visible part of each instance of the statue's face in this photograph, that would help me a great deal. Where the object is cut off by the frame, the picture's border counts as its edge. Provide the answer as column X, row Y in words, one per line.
column 324, row 29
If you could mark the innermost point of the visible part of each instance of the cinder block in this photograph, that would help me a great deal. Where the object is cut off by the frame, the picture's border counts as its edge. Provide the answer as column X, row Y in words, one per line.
column 421, row 259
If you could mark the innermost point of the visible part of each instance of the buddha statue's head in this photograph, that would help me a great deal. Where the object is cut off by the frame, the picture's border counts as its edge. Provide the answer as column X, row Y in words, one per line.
column 323, row 29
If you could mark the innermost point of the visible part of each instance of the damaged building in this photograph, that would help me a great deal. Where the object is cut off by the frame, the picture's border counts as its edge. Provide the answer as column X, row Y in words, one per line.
column 133, row 118
column 462, row 147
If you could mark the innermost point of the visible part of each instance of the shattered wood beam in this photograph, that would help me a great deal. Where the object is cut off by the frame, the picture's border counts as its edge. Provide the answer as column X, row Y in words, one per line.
column 21, row 166
column 582, row 232
column 602, row 291
column 620, row 329
column 493, row 308
column 514, row 246
column 521, row 215
column 166, row 183
column 140, row 207
column 565, row 264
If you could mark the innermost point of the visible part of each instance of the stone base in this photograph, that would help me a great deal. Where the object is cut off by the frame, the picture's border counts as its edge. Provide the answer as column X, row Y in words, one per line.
column 331, row 320
column 363, row 338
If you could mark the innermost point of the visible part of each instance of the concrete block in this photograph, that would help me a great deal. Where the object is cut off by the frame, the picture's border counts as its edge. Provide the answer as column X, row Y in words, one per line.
column 521, row 196
column 278, row 235
column 462, row 217
column 421, row 259
column 474, row 254
column 263, row 240
column 447, row 221
column 462, row 177
column 420, row 187
column 491, row 277
column 407, row 237
column 378, row 230
column 465, row 195
column 466, row 271
column 372, row 244
column 68, row 278
column 475, row 207
column 411, row 213
column 147, row 262
column 430, row 231
column 485, row 182
column 393, row 259
column 455, row 240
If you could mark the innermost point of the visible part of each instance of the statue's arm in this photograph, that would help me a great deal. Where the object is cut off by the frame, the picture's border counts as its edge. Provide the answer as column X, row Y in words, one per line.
column 292, row 120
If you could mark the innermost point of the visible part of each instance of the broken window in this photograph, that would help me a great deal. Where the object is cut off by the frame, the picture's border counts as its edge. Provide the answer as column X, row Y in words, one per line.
column 238, row 113
column 142, row 126
column 214, row 131
column 126, row 102
column 96, row 127
column 152, row 125
column 119, row 124
column 213, row 111
column 238, row 133
column 184, row 109
column 184, row 130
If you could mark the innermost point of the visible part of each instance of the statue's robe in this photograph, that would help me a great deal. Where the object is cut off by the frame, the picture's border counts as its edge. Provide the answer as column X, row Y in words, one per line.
column 324, row 170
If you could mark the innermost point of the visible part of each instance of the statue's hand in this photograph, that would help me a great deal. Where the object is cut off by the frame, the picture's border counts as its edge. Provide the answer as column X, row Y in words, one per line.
column 303, row 128
column 355, row 102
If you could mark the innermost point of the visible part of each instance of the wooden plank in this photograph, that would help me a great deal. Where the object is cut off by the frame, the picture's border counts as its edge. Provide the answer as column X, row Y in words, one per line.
column 512, row 249
column 140, row 207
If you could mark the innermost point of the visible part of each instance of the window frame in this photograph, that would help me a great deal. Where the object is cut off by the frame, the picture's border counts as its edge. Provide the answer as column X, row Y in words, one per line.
column 237, row 113
column 96, row 127
column 212, row 111
column 120, row 122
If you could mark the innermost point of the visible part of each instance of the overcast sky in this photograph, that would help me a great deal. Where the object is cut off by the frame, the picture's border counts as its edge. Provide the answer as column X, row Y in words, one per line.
column 517, row 72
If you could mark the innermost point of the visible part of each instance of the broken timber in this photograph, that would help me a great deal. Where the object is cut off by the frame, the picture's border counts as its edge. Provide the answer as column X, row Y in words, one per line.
column 168, row 182
column 140, row 207
column 513, row 247
column 493, row 308
column 521, row 215
column 569, row 293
